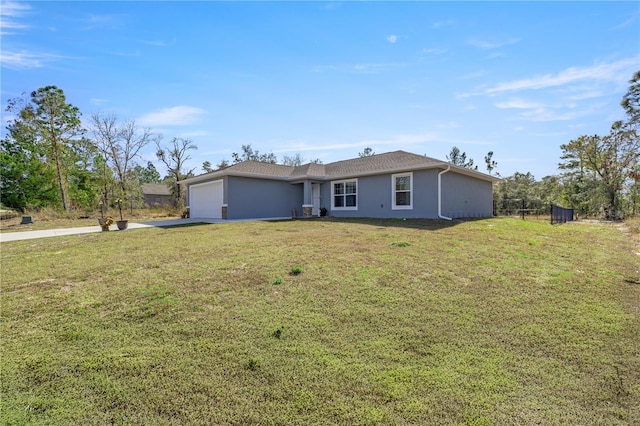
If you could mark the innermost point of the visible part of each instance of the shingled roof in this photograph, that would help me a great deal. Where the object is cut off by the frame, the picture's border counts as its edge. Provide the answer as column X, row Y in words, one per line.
column 258, row 168
column 395, row 161
column 379, row 163
column 155, row 189
column 311, row 169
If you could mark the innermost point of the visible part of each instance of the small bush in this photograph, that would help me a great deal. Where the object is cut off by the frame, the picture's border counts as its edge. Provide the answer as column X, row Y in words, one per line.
column 277, row 281
column 277, row 333
column 400, row 244
column 253, row 364
column 296, row 270
column 633, row 225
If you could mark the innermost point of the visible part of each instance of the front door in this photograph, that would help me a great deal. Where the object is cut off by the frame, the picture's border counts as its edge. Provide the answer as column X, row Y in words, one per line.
column 315, row 193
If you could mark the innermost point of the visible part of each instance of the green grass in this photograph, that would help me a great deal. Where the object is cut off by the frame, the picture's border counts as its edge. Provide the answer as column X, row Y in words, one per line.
column 488, row 322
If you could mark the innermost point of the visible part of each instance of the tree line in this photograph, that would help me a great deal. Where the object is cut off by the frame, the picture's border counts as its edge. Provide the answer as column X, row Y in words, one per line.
column 600, row 173
column 47, row 159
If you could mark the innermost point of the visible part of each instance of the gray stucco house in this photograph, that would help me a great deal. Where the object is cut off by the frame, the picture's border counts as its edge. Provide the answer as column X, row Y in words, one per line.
column 397, row 184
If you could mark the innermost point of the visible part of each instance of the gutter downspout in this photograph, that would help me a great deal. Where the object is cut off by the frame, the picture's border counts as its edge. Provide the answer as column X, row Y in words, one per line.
column 440, row 193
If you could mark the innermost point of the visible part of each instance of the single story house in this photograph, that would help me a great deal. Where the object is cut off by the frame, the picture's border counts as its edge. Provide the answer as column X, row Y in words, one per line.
column 397, row 184
column 156, row 194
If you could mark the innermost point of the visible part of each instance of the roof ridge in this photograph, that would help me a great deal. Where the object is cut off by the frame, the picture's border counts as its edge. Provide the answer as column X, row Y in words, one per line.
column 259, row 162
column 386, row 162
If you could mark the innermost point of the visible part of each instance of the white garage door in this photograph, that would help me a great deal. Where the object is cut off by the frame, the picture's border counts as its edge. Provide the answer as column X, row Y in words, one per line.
column 205, row 200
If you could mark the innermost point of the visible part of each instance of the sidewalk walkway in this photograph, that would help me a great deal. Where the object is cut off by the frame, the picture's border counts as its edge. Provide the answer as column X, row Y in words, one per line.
column 45, row 233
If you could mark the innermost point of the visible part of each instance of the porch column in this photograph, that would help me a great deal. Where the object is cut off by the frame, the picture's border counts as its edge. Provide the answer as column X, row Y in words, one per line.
column 307, row 200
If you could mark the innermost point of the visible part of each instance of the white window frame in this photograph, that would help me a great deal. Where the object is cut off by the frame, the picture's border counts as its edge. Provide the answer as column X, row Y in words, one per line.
column 393, row 191
column 333, row 195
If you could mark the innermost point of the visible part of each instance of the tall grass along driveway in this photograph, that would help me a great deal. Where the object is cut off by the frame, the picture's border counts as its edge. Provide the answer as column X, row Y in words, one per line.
column 488, row 322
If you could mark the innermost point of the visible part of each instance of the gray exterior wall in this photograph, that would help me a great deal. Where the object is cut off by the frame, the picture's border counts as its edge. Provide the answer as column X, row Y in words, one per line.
column 462, row 196
column 248, row 198
column 375, row 197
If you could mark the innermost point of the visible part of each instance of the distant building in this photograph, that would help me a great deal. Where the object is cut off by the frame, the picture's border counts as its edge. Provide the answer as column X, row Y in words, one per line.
column 156, row 195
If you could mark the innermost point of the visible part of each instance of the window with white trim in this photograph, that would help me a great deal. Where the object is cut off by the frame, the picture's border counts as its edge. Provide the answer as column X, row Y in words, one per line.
column 344, row 195
column 402, row 191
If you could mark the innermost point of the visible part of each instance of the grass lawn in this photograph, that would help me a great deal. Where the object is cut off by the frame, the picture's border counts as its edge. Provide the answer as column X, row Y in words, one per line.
column 488, row 322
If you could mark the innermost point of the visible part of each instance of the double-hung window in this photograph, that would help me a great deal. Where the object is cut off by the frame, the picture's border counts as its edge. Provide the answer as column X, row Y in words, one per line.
column 344, row 195
column 402, row 191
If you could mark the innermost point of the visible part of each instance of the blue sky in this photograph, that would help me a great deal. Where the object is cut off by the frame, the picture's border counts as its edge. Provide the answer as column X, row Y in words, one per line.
column 327, row 79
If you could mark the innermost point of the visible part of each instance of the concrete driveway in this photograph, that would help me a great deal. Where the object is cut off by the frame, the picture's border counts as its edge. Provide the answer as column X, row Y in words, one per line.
column 46, row 233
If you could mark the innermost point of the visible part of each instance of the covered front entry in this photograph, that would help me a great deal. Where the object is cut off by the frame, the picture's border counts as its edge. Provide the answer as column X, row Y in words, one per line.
column 315, row 191
column 205, row 200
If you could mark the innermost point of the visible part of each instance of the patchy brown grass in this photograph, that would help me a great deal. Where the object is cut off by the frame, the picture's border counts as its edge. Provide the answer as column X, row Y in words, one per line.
column 632, row 228
column 486, row 322
column 52, row 219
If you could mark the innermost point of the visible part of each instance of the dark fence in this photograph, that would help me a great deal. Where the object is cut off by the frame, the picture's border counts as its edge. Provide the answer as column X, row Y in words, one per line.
column 521, row 208
column 532, row 208
column 560, row 214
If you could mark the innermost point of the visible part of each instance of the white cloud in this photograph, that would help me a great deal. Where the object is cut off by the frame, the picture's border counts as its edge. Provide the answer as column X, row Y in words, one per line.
column 539, row 112
column 160, row 43
column 111, row 22
column 394, row 142
column 357, row 68
column 449, row 125
column 518, row 104
column 548, row 114
column 618, row 71
column 181, row 115
column 98, row 101
column 392, row 38
column 20, row 60
column 25, row 60
column 8, row 12
column 473, row 75
column 626, row 23
column 495, row 55
column 586, row 95
column 484, row 44
column 132, row 54
column 434, row 51
column 442, row 24
column 544, row 113
column 11, row 8
column 332, row 5
column 434, row 54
